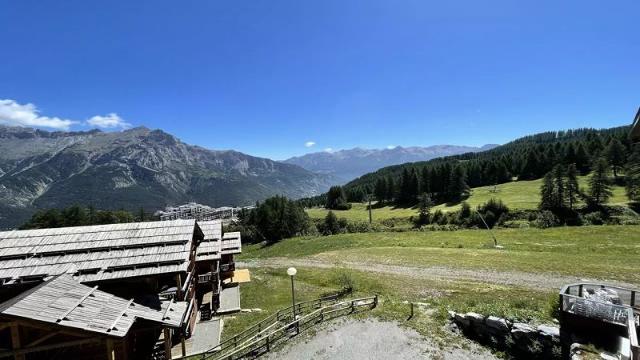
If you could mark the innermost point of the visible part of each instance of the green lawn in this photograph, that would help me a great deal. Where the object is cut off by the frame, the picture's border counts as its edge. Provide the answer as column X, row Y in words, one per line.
column 519, row 195
column 524, row 195
column 359, row 212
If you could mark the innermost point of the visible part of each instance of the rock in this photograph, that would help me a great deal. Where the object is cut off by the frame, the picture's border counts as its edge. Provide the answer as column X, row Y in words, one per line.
column 549, row 331
column 452, row 314
column 498, row 324
column 461, row 320
column 521, row 331
column 579, row 351
column 474, row 317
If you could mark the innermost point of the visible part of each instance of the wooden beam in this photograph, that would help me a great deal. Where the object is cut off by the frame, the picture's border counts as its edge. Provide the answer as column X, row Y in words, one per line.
column 183, row 345
column 42, row 339
column 164, row 315
column 111, row 354
column 15, row 341
column 5, row 325
column 124, row 311
column 178, row 287
column 167, row 343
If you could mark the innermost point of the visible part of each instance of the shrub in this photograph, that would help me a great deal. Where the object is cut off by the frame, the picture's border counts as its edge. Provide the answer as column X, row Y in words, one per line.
column 594, row 218
column 546, row 219
column 344, row 278
column 360, row 227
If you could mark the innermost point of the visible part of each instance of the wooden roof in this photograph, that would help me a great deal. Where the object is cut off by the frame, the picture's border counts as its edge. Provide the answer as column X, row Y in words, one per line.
column 635, row 128
column 231, row 243
column 209, row 248
column 99, row 252
column 63, row 301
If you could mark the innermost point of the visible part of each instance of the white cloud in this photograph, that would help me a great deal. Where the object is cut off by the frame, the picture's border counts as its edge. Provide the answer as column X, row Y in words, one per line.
column 14, row 114
column 109, row 121
column 390, row 147
column 309, row 144
column 329, row 150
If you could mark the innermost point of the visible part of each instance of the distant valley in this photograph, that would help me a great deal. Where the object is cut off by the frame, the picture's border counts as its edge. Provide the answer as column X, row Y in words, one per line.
column 346, row 165
column 132, row 169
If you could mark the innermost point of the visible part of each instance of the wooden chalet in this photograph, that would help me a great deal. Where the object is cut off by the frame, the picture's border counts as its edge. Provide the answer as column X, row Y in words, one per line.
column 132, row 290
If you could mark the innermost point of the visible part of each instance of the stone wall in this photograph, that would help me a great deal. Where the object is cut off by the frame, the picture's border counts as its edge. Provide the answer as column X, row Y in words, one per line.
column 517, row 339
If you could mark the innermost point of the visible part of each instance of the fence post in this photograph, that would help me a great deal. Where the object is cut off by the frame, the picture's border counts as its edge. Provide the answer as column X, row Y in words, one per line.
column 633, row 298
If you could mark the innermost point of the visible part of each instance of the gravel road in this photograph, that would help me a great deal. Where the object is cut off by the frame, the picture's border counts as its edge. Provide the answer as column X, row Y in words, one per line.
column 370, row 339
column 513, row 278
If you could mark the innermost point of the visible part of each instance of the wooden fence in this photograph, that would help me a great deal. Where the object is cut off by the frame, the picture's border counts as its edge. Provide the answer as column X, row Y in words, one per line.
column 281, row 326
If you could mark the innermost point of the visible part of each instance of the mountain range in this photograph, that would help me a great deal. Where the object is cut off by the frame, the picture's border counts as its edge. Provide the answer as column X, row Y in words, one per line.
column 132, row 169
column 346, row 165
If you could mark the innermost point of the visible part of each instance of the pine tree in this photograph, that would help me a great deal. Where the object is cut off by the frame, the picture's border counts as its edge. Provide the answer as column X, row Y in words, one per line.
column 457, row 183
column 599, row 187
column 570, row 154
column 414, row 186
column 615, row 152
column 559, row 198
column 582, row 160
column 424, row 208
column 391, row 189
column 632, row 175
column 572, row 187
column 547, row 196
column 337, row 199
column 380, row 190
column 404, row 192
column 531, row 166
column 425, row 180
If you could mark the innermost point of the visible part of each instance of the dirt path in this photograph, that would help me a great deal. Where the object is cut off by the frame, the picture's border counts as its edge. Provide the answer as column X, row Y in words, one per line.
column 371, row 339
column 513, row 278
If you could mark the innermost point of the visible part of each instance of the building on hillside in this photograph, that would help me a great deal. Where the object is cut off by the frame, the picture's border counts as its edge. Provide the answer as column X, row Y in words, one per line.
column 135, row 290
column 199, row 212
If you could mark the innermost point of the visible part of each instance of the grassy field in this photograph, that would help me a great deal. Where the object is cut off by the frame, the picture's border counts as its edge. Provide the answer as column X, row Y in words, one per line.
column 598, row 251
column 595, row 252
column 523, row 195
column 359, row 212
column 270, row 290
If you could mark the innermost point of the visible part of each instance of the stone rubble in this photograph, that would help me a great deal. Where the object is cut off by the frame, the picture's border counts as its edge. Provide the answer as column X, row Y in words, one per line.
column 519, row 338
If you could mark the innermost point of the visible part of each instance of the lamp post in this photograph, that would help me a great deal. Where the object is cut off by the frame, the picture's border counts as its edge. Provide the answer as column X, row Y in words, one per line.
column 292, row 272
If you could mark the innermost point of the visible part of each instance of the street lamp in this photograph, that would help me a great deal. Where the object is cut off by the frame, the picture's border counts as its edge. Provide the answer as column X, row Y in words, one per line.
column 292, row 272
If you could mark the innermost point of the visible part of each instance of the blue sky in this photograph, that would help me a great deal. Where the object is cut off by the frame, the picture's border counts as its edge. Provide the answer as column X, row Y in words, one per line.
column 266, row 77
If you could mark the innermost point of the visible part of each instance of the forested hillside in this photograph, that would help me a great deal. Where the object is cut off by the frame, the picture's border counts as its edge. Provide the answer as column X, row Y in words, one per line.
column 448, row 179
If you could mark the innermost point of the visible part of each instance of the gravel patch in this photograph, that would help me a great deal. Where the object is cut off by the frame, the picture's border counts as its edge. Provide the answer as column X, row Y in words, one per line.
column 370, row 339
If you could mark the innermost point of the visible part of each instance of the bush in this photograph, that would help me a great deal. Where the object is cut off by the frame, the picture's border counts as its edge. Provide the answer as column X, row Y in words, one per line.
column 344, row 278
column 360, row 227
column 594, row 218
column 546, row 219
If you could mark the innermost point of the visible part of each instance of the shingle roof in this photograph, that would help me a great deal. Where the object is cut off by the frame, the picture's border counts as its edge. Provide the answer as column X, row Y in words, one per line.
column 62, row 301
column 209, row 248
column 231, row 243
column 97, row 252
